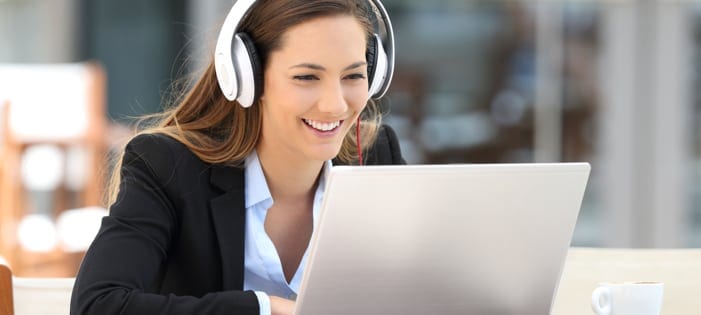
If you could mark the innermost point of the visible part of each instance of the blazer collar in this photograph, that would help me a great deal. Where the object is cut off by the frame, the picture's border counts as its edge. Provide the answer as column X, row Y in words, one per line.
column 229, row 219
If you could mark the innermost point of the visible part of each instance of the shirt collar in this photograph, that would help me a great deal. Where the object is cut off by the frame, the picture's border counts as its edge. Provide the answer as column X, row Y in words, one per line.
column 256, row 186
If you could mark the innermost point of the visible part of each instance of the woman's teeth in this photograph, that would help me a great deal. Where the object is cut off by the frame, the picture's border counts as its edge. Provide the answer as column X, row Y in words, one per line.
column 322, row 126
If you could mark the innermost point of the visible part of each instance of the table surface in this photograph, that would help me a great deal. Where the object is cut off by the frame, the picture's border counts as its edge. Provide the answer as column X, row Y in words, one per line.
column 679, row 269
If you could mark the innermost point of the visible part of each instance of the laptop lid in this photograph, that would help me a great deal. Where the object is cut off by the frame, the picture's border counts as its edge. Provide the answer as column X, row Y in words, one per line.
column 442, row 239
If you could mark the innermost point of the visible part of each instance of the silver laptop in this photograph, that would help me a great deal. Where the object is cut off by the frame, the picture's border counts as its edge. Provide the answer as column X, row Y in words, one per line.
column 442, row 239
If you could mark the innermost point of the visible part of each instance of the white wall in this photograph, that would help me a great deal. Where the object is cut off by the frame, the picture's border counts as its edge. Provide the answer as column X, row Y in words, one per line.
column 204, row 20
column 38, row 30
column 645, row 135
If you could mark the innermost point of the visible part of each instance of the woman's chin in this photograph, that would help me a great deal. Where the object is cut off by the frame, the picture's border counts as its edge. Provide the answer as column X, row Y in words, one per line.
column 324, row 152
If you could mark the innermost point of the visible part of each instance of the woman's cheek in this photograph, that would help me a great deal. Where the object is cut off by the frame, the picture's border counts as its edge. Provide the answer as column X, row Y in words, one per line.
column 357, row 97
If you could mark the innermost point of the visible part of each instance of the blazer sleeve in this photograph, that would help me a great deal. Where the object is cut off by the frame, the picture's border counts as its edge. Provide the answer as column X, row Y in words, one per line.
column 385, row 150
column 121, row 271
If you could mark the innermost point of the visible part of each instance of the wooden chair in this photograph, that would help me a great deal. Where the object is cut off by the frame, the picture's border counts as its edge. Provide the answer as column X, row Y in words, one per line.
column 6, row 299
column 679, row 269
column 61, row 105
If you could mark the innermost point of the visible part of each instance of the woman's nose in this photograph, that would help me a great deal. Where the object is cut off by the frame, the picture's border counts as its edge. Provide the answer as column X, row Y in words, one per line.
column 333, row 100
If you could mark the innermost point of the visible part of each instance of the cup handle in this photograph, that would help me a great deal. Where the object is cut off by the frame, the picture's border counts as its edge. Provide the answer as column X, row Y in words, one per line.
column 596, row 301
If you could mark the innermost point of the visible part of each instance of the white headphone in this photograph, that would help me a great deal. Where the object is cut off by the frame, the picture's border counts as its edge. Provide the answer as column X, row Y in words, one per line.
column 240, row 74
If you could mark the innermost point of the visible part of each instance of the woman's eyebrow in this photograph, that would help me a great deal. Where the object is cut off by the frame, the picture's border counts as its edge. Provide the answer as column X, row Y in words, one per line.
column 314, row 66
column 356, row 65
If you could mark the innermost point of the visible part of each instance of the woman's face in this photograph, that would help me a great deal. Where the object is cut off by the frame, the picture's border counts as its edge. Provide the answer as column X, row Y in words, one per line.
column 315, row 87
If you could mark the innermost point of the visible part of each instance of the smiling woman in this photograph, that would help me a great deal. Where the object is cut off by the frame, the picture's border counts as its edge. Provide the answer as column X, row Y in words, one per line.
column 213, row 207
column 315, row 88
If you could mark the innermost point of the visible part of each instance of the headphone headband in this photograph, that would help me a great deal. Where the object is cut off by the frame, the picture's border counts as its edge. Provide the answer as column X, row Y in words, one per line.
column 236, row 65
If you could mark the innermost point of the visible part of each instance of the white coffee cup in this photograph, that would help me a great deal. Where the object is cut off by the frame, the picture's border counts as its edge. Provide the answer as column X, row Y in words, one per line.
column 627, row 298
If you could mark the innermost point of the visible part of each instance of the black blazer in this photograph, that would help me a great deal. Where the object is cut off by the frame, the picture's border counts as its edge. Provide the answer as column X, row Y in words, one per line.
column 173, row 242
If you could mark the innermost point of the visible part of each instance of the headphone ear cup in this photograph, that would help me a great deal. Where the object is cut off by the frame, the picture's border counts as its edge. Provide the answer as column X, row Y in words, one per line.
column 249, row 70
column 377, row 65
column 371, row 59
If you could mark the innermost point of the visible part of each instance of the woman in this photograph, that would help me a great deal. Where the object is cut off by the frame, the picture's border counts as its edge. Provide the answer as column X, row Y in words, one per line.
column 213, row 208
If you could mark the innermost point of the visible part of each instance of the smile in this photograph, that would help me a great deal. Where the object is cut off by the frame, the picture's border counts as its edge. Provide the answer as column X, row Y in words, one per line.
column 322, row 126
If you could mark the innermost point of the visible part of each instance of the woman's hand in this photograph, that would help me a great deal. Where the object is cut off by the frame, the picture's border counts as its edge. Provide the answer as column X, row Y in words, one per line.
column 280, row 306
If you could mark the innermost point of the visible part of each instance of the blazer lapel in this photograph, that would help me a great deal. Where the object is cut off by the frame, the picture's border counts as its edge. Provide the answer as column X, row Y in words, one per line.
column 229, row 216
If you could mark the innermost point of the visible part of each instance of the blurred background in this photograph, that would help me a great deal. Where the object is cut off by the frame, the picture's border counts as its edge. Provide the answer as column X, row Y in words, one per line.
column 612, row 83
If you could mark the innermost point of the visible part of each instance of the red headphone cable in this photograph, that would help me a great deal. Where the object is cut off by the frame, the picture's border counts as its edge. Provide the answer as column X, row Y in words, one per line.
column 357, row 141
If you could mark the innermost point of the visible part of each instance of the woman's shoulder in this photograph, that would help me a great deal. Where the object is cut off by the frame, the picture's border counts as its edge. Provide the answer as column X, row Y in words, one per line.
column 161, row 153
column 156, row 144
column 385, row 149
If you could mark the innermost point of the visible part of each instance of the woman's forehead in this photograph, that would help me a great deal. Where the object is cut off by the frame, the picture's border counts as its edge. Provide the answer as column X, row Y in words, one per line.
column 334, row 38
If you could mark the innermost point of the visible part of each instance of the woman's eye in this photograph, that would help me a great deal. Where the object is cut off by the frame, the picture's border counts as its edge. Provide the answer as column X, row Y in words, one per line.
column 356, row 76
column 307, row 77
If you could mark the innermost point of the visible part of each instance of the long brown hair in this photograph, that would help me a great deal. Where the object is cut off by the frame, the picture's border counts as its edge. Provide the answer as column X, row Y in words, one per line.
column 219, row 131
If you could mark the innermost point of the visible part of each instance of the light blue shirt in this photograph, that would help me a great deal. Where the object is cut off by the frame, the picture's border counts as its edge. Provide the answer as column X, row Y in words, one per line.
column 262, row 267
